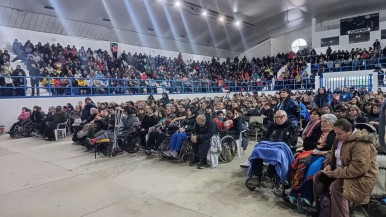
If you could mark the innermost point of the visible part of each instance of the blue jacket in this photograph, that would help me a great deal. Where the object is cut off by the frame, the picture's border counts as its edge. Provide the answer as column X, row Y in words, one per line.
column 85, row 113
column 278, row 154
column 345, row 97
column 304, row 112
column 290, row 107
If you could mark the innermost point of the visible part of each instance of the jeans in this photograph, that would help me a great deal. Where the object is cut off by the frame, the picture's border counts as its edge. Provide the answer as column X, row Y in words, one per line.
column 176, row 142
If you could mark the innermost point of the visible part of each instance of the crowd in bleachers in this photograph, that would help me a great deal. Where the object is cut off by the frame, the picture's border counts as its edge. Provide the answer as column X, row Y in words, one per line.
column 90, row 68
column 66, row 70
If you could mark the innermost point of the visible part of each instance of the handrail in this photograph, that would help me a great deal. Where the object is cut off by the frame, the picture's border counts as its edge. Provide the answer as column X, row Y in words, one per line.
column 353, row 65
column 118, row 86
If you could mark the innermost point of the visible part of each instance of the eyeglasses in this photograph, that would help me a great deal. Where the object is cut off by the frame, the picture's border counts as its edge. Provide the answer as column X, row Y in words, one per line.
column 280, row 117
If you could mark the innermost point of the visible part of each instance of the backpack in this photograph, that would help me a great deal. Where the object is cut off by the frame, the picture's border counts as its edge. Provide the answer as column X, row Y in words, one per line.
column 300, row 167
column 214, row 151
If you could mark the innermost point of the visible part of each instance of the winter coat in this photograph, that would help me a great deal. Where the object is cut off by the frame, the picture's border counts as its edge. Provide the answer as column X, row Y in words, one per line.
column 322, row 99
column 281, row 133
column 290, row 107
column 345, row 97
column 206, row 132
column 359, row 169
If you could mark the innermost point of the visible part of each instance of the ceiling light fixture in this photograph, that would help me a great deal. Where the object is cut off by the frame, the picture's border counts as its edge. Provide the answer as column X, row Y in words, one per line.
column 49, row 7
column 204, row 13
column 237, row 23
column 221, row 18
column 177, row 4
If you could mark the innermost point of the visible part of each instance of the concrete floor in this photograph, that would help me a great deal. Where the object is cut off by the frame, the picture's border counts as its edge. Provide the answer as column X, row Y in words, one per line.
column 54, row 179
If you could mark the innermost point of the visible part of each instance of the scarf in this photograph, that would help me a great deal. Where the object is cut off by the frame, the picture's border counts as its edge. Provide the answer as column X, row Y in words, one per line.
column 309, row 128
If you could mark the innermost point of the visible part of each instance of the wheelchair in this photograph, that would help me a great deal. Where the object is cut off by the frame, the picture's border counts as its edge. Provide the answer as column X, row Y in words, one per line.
column 25, row 129
column 186, row 151
column 271, row 181
column 127, row 141
column 230, row 147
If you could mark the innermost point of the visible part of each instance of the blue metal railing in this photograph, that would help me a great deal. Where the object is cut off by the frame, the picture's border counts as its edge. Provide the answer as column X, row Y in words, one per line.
column 25, row 86
column 354, row 65
column 357, row 82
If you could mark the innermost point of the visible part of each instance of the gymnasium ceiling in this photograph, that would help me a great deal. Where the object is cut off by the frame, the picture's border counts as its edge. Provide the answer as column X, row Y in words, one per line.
column 137, row 21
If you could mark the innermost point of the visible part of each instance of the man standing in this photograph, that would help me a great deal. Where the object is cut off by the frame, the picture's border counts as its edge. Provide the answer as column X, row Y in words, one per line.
column 33, row 73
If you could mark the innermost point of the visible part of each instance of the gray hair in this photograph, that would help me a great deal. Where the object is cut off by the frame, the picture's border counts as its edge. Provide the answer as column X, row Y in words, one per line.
column 331, row 118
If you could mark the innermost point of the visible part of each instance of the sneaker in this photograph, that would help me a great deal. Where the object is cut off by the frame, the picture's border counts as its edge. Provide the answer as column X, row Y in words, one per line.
column 245, row 165
column 202, row 164
column 291, row 199
column 90, row 142
column 194, row 161
column 174, row 154
column 166, row 153
column 305, row 202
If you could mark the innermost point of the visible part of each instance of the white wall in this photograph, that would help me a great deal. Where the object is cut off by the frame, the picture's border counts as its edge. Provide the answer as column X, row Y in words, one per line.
column 280, row 44
column 331, row 28
column 7, row 36
column 260, row 50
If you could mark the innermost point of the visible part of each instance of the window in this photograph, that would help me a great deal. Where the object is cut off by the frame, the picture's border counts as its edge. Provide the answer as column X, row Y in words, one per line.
column 298, row 44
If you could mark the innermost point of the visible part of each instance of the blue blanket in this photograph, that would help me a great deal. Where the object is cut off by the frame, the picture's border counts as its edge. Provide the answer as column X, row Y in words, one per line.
column 278, row 154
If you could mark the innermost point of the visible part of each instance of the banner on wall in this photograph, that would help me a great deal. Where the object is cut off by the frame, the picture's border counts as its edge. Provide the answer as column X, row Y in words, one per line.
column 359, row 37
column 325, row 42
column 114, row 49
column 383, row 34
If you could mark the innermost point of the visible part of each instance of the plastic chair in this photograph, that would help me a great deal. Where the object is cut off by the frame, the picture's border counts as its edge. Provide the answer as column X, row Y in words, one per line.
column 238, row 144
column 62, row 129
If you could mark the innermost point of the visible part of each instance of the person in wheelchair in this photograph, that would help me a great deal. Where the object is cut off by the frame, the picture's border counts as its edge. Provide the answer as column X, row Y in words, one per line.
column 201, row 136
column 23, row 117
column 187, row 125
column 157, row 133
column 234, row 123
column 128, row 124
column 281, row 131
column 36, row 118
column 149, row 120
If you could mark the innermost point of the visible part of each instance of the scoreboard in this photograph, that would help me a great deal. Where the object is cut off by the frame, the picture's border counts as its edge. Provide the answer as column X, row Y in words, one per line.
column 359, row 24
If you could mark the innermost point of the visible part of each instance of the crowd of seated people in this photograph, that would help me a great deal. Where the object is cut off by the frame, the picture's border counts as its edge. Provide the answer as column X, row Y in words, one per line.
column 88, row 71
column 335, row 121
column 344, row 60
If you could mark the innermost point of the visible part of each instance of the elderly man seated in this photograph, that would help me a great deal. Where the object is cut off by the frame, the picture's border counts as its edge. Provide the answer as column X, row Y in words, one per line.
column 274, row 149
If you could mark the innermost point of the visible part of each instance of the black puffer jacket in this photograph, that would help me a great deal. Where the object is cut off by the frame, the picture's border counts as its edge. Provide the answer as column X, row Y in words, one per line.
column 281, row 133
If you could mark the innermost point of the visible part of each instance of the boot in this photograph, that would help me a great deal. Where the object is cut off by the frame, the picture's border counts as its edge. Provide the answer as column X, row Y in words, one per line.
column 202, row 163
column 194, row 161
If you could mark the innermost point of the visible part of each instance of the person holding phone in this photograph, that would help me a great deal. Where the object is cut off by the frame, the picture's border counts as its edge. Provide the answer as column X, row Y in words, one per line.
column 351, row 170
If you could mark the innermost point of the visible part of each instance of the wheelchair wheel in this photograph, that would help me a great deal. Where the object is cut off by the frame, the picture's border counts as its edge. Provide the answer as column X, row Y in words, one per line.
column 164, row 146
column 131, row 142
column 186, row 152
column 251, row 184
column 229, row 149
column 16, row 132
column 29, row 128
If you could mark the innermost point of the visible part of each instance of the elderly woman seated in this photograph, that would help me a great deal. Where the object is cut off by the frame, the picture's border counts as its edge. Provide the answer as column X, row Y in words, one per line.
column 309, row 162
column 350, row 171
